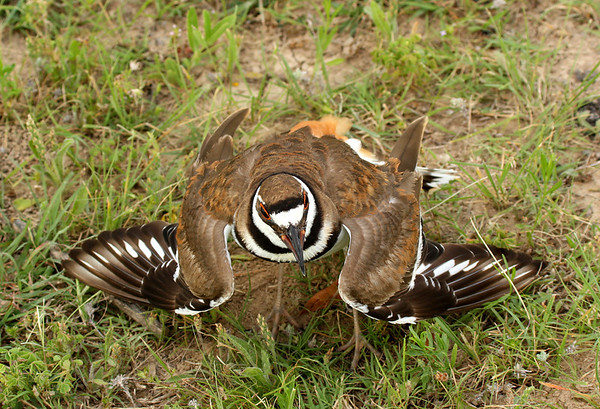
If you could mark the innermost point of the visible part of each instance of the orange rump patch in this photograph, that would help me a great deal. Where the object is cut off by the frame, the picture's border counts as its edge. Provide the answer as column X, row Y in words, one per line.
column 328, row 125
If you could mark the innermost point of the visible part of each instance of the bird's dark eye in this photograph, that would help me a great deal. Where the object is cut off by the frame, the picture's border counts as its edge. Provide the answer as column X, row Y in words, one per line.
column 305, row 198
column 263, row 211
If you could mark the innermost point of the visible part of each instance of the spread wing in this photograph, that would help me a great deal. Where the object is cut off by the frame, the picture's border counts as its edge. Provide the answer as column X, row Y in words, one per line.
column 458, row 277
column 183, row 268
column 138, row 264
column 392, row 273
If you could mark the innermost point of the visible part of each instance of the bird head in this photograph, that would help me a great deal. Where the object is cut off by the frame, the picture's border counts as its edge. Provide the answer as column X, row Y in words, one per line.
column 284, row 210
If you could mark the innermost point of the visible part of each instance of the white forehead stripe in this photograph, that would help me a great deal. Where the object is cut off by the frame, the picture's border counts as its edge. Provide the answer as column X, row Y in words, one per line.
column 312, row 213
column 288, row 217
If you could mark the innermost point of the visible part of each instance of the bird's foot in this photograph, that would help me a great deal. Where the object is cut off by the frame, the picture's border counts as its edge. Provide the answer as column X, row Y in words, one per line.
column 275, row 318
column 278, row 309
column 358, row 341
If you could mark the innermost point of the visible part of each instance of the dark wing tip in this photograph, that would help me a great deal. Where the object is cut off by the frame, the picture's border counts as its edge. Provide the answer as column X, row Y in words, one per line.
column 219, row 145
column 542, row 265
column 425, row 298
column 406, row 149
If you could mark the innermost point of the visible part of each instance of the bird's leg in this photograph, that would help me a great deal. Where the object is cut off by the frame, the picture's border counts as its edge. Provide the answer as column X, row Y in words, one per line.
column 358, row 341
column 278, row 308
column 275, row 314
column 135, row 312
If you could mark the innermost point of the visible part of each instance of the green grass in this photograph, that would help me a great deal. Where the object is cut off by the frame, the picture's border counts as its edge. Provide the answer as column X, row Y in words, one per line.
column 115, row 100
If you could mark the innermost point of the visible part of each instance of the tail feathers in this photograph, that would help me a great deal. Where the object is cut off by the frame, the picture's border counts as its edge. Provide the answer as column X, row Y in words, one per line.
column 455, row 278
column 330, row 125
column 436, row 178
column 406, row 147
column 118, row 261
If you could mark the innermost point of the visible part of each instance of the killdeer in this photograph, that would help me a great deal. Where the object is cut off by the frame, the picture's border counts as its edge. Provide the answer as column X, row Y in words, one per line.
column 296, row 198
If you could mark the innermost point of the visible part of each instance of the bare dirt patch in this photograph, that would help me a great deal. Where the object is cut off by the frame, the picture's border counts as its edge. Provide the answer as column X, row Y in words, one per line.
column 13, row 49
column 14, row 163
column 579, row 385
column 587, row 193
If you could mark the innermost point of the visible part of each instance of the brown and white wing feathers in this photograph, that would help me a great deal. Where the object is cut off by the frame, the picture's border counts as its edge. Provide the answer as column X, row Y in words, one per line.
column 204, row 261
column 137, row 264
column 385, row 236
column 458, row 277
column 218, row 185
column 184, row 268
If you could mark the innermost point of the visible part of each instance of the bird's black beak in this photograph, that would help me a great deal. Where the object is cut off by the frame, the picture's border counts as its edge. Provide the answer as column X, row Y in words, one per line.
column 294, row 239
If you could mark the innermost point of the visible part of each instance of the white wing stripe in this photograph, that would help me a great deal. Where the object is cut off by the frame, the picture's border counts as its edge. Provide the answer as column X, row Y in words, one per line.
column 458, row 268
column 156, row 246
column 144, row 249
column 444, row 267
column 471, row 266
column 101, row 257
column 130, row 250
column 114, row 248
